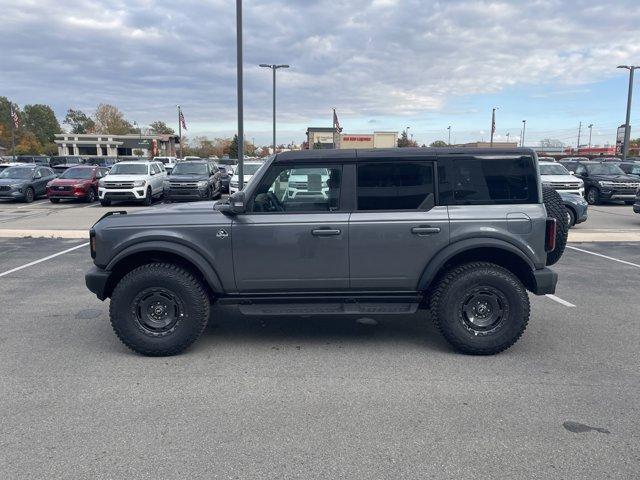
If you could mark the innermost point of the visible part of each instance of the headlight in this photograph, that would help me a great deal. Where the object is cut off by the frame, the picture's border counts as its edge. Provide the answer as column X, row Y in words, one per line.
column 166, row 184
column 234, row 183
column 49, row 185
column 203, row 184
column 79, row 185
column 101, row 183
column 139, row 183
column 16, row 185
column 547, row 184
column 606, row 184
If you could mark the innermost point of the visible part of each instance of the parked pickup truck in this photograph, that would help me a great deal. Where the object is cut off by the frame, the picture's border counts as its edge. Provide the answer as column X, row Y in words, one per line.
column 464, row 233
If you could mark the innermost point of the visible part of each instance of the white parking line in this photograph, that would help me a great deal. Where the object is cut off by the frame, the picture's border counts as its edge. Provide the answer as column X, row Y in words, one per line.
column 604, row 256
column 43, row 259
column 37, row 202
column 92, row 205
column 560, row 301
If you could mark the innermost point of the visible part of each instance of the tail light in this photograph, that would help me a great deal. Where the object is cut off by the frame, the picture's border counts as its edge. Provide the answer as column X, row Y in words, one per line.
column 550, row 237
column 92, row 242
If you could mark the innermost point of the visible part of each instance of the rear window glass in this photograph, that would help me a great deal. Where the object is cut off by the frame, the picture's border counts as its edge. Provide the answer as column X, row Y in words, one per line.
column 479, row 181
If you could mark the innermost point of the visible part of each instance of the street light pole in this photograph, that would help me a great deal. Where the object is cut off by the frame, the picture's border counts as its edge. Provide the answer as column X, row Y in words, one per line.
column 240, row 95
column 590, row 131
column 524, row 130
column 493, row 124
column 627, row 129
column 449, row 142
column 579, row 133
column 274, row 68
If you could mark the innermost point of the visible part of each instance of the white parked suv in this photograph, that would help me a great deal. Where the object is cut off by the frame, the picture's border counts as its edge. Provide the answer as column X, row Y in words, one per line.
column 168, row 162
column 249, row 169
column 556, row 176
column 132, row 181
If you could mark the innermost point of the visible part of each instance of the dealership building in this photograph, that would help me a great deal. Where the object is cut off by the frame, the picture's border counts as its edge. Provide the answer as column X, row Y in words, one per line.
column 326, row 138
column 97, row 145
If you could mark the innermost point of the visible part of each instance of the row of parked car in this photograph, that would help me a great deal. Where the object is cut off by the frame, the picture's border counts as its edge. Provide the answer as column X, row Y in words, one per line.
column 141, row 181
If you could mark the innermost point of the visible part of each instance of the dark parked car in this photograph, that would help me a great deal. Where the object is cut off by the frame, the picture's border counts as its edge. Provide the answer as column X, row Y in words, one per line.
column 66, row 160
column 76, row 183
column 192, row 180
column 576, row 207
column 226, row 172
column 102, row 161
column 604, row 181
column 34, row 159
column 25, row 183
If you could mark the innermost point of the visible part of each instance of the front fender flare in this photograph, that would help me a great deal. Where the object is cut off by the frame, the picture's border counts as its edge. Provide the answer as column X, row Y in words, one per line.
column 444, row 255
column 183, row 251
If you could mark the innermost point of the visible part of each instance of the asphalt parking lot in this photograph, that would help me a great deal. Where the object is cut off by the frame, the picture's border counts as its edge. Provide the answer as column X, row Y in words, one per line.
column 316, row 397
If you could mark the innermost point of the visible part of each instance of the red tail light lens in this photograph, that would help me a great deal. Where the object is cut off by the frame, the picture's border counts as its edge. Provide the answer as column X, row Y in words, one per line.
column 550, row 239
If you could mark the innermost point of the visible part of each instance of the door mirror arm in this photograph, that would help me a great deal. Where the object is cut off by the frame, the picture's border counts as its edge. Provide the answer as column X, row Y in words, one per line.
column 235, row 206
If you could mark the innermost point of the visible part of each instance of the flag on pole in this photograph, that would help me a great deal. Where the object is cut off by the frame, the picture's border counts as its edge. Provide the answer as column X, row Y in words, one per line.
column 336, row 122
column 182, row 122
column 15, row 118
column 493, row 122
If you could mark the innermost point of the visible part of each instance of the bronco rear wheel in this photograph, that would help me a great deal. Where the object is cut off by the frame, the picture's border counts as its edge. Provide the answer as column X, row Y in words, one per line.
column 556, row 209
column 480, row 308
column 159, row 309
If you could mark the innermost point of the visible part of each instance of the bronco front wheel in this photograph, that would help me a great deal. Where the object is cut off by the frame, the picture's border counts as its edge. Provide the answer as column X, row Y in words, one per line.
column 480, row 308
column 159, row 309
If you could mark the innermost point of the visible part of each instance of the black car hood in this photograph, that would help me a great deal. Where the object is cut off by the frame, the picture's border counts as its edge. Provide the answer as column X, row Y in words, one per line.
column 615, row 178
column 187, row 178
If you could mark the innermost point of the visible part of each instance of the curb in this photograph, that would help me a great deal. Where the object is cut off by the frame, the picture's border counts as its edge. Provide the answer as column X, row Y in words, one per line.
column 72, row 234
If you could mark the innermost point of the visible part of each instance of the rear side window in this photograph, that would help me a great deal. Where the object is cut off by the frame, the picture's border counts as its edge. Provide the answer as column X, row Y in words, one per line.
column 395, row 186
column 480, row 181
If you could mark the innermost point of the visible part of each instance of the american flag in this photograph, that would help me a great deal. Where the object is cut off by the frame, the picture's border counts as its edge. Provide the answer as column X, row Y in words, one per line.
column 15, row 118
column 182, row 122
column 336, row 122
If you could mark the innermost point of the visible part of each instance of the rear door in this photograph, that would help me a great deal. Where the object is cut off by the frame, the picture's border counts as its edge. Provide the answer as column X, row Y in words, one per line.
column 287, row 242
column 397, row 227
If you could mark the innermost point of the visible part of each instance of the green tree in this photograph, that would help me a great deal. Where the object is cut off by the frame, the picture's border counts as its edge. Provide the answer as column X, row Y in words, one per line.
column 233, row 148
column 161, row 128
column 438, row 143
column 42, row 122
column 404, row 141
column 6, row 121
column 28, row 145
column 109, row 119
column 79, row 122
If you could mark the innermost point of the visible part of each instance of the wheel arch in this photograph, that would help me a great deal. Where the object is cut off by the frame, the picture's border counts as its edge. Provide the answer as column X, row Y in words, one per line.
column 492, row 250
column 159, row 251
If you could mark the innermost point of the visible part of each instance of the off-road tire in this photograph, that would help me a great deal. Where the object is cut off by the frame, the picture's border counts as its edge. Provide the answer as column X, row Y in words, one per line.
column 448, row 308
column 105, row 203
column 593, row 196
column 29, row 195
column 148, row 199
column 557, row 210
column 54, row 200
column 191, row 320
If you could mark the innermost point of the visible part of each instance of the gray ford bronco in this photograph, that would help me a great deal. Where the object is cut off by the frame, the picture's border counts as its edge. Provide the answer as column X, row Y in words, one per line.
column 464, row 233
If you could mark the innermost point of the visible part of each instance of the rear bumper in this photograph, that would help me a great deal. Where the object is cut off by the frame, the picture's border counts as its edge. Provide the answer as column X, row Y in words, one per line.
column 545, row 281
column 96, row 280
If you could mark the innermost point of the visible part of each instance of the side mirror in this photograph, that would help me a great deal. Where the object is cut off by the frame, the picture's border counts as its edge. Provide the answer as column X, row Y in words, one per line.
column 235, row 206
column 572, row 172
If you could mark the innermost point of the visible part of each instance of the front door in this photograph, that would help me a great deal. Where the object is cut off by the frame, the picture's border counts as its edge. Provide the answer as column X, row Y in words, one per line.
column 294, row 237
column 396, row 228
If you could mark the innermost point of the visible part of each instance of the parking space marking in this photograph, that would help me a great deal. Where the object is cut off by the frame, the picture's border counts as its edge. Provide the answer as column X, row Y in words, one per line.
column 37, row 202
column 92, row 205
column 43, row 259
column 604, row 256
column 560, row 301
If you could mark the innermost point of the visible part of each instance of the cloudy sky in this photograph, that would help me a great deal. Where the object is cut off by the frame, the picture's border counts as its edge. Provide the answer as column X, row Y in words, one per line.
column 384, row 64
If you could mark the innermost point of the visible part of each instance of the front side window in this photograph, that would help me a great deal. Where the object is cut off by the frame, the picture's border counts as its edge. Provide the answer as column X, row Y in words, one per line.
column 395, row 186
column 604, row 169
column 299, row 189
column 489, row 181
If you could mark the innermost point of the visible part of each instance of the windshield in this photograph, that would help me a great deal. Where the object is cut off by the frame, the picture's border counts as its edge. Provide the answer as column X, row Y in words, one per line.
column 129, row 169
column 17, row 172
column 555, row 169
column 164, row 160
column 635, row 170
column 78, row 173
column 604, row 169
column 190, row 169
column 251, row 168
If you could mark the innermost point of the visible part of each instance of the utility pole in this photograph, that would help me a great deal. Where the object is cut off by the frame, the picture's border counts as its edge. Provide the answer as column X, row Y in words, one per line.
column 524, row 130
column 579, row 132
column 13, row 135
column 508, row 135
column 590, row 131
column 627, row 129
column 240, row 95
column 493, row 124
column 180, row 132
column 449, row 142
column 274, row 68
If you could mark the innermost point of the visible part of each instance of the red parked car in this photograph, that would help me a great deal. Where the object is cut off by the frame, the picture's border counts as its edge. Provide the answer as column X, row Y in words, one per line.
column 76, row 183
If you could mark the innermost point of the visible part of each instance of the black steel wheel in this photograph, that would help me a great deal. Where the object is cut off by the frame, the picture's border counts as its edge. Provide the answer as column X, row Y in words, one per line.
column 593, row 196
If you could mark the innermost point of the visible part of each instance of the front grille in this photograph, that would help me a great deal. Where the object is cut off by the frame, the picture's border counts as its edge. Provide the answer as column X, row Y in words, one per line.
column 626, row 185
column 5, row 188
column 566, row 185
column 118, row 185
column 183, row 185
column 298, row 185
column 61, row 188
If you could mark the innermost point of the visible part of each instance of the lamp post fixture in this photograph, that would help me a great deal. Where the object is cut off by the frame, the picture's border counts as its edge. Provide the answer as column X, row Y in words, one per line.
column 274, row 68
column 449, row 129
column 524, row 129
column 627, row 127
column 240, row 94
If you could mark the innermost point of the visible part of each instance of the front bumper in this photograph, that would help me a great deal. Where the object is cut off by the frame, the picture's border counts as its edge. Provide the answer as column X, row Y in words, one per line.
column 617, row 194
column 135, row 194
column 96, row 280
column 544, row 281
column 66, row 193
column 13, row 193
column 185, row 194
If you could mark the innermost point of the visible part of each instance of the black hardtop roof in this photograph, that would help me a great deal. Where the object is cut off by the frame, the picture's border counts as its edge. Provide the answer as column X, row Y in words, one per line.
column 383, row 153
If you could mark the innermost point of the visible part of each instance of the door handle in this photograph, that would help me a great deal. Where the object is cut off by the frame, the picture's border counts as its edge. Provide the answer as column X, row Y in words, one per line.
column 325, row 232
column 425, row 230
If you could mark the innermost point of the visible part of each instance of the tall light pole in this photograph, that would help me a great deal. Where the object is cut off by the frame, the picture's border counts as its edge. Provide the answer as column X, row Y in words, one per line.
column 493, row 123
column 627, row 129
column 274, row 68
column 524, row 130
column 240, row 95
column 590, row 131
column 579, row 133
column 449, row 129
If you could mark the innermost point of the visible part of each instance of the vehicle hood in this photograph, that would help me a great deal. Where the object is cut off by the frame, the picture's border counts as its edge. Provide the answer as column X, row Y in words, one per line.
column 615, row 178
column 187, row 178
column 572, row 198
column 561, row 179
column 124, row 178
column 13, row 181
column 69, row 181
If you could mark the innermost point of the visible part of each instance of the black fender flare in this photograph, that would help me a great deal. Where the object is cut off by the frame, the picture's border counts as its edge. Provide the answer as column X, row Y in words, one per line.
column 183, row 251
column 443, row 256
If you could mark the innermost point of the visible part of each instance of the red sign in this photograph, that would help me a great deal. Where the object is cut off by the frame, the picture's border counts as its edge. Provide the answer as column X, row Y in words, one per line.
column 357, row 139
